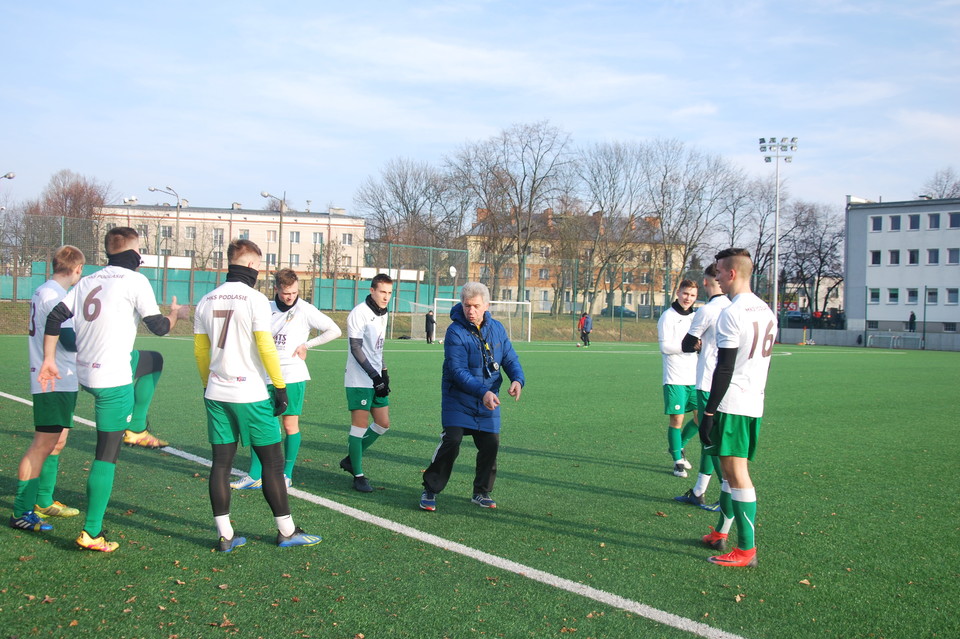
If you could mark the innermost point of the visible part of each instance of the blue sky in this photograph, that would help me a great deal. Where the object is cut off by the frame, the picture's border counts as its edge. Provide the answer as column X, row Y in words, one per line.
column 222, row 100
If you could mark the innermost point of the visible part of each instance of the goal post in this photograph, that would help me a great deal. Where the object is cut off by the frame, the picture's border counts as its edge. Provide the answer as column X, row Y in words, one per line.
column 516, row 317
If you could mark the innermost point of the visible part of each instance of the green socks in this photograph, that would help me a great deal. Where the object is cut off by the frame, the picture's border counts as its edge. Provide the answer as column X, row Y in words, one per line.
column 355, row 450
column 256, row 468
column 291, row 448
column 99, row 489
column 48, row 481
column 26, row 496
column 689, row 430
column 745, row 514
column 143, row 390
column 674, row 443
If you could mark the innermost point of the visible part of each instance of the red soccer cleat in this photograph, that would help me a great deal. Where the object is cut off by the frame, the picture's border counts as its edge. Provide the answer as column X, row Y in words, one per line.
column 716, row 540
column 736, row 558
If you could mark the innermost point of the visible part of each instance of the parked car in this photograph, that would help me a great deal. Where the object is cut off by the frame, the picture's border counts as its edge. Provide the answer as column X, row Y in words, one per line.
column 617, row 311
column 797, row 316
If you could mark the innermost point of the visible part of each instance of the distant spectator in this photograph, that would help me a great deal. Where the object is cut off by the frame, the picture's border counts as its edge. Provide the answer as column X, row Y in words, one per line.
column 430, row 326
column 585, row 325
column 912, row 322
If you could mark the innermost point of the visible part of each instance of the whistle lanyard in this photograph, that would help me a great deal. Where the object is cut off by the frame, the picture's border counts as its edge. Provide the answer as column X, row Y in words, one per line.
column 489, row 364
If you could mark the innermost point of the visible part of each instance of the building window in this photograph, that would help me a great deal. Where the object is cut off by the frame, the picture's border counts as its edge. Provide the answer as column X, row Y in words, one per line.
column 190, row 232
column 894, row 222
column 949, row 327
column 872, row 325
column 506, row 294
column 318, row 238
column 874, row 295
column 913, row 256
column 294, row 237
column 218, row 257
column 629, row 300
column 953, row 256
column 484, row 272
column 544, row 274
column 526, row 274
column 954, row 220
column 933, row 256
column 952, row 296
column 508, row 273
column 166, row 232
column 933, row 221
column 190, row 253
column 544, row 296
column 218, row 237
column 644, row 299
column 645, row 257
column 645, row 277
column 876, row 223
column 894, row 257
column 271, row 259
column 271, row 236
column 347, row 239
column 111, row 225
column 627, row 277
column 913, row 296
column 874, row 258
column 295, row 259
column 931, row 296
column 544, row 251
column 142, row 232
column 893, row 296
column 166, row 252
column 913, row 222
column 244, row 234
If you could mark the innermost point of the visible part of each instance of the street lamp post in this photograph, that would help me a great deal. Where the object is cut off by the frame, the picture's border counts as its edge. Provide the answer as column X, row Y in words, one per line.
column 773, row 152
column 8, row 176
column 170, row 191
column 283, row 209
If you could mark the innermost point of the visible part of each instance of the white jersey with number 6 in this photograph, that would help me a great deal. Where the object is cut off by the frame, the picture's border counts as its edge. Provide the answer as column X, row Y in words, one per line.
column 44, row 299
column 107, row 306
column 290, row 329
column 366, row 325
column 750, row 326
column 229, row 315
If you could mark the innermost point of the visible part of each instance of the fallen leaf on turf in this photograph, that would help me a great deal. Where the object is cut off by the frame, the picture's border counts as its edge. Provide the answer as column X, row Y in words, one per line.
column 48, row 599
column 739, row 598
column 31, row 597
column 660, row 513
column 74, row 623
column 131, row 599
column 223, row 586
column 805, row 582
column 26, row 558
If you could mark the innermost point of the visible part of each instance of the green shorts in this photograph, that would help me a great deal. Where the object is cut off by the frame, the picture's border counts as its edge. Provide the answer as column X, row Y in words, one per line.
column 364, row 399
column 54, row 409
column 295, row 393
column 702, row 398
column 112, row 407
column 249, row 423
column 734, row 436
column 679, row 400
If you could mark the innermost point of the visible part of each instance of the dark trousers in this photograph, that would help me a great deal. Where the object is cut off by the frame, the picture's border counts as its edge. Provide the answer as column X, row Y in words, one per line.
column 438, row 473
column 585, row 338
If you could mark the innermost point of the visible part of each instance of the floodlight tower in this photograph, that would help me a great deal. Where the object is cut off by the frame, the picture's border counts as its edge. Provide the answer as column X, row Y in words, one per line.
column 774, row 151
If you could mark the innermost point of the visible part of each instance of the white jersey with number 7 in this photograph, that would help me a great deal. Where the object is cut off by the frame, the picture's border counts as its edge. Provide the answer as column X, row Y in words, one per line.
column 750, row 326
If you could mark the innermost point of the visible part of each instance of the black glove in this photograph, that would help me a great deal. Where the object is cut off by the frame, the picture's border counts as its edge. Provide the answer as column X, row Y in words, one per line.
column 380, row 388
column 386, row 378
column 706, row 425
column 280, row 401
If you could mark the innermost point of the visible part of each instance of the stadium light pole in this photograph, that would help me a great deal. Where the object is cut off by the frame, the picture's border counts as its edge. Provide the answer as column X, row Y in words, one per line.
column 774, row 151
column 283, row 209
column 171, row 191
column 8, row 176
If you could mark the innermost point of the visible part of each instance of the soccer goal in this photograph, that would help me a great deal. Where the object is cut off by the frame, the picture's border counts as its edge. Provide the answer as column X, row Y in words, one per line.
column 516, row 317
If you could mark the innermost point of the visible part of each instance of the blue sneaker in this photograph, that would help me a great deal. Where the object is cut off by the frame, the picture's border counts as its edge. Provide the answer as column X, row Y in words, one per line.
column 30, row 521
column 227, row 545
column 298, row 538
column 428, row 501
column 247, row 483
column 483, row 500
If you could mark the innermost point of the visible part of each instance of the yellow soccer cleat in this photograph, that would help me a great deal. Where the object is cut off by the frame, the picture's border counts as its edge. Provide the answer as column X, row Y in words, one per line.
column 143, row 439
column 100, row 543
column 56, row 509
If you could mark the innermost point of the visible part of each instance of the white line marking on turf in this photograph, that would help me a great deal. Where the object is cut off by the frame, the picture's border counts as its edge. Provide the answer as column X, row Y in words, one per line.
column 601, row 596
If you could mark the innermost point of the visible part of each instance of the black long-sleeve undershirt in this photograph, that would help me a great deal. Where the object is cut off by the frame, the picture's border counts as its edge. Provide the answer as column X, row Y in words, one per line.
column 722, row 374
column 356, row 349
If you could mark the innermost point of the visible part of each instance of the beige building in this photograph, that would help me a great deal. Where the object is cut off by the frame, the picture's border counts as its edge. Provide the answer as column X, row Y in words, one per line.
column 330, row 243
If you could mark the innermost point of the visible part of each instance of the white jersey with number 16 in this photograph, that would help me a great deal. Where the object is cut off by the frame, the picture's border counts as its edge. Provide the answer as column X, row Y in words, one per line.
column 750, row 326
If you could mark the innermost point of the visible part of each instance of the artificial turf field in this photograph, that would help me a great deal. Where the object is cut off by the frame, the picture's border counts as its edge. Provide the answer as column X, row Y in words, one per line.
column 858, row 531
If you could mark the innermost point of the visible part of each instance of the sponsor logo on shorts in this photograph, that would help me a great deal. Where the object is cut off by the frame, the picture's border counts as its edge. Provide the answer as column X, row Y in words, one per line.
column 363, row 402
column 676, row 407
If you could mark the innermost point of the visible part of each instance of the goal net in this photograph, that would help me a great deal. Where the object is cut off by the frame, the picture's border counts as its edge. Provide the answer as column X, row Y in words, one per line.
column 516, row 317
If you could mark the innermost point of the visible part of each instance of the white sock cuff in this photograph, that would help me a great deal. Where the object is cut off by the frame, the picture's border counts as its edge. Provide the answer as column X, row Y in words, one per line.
column 378, row 429
column 356, row 431
column 285, row 525
column 725, row 487
column 744, row 494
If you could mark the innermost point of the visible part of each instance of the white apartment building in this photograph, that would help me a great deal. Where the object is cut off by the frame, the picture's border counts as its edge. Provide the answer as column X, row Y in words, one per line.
column 329, row 242
column 903, row 258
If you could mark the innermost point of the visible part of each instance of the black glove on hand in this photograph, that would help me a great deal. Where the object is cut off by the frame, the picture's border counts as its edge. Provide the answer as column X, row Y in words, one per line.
column 706, row 425
column 380, row 388
column 280, row 401
column 386, row 378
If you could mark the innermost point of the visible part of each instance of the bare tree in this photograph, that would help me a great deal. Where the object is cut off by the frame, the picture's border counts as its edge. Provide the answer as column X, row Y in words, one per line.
column 813, row 251
column 944, row 184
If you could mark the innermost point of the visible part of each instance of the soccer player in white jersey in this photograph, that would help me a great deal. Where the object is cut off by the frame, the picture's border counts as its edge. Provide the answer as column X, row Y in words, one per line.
column 291, row 321
column 730, row 424
column 52, row 410
column 366, row 379
column 702, row 339
column 234, row 350
column 679, row 374
column 106, row 307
